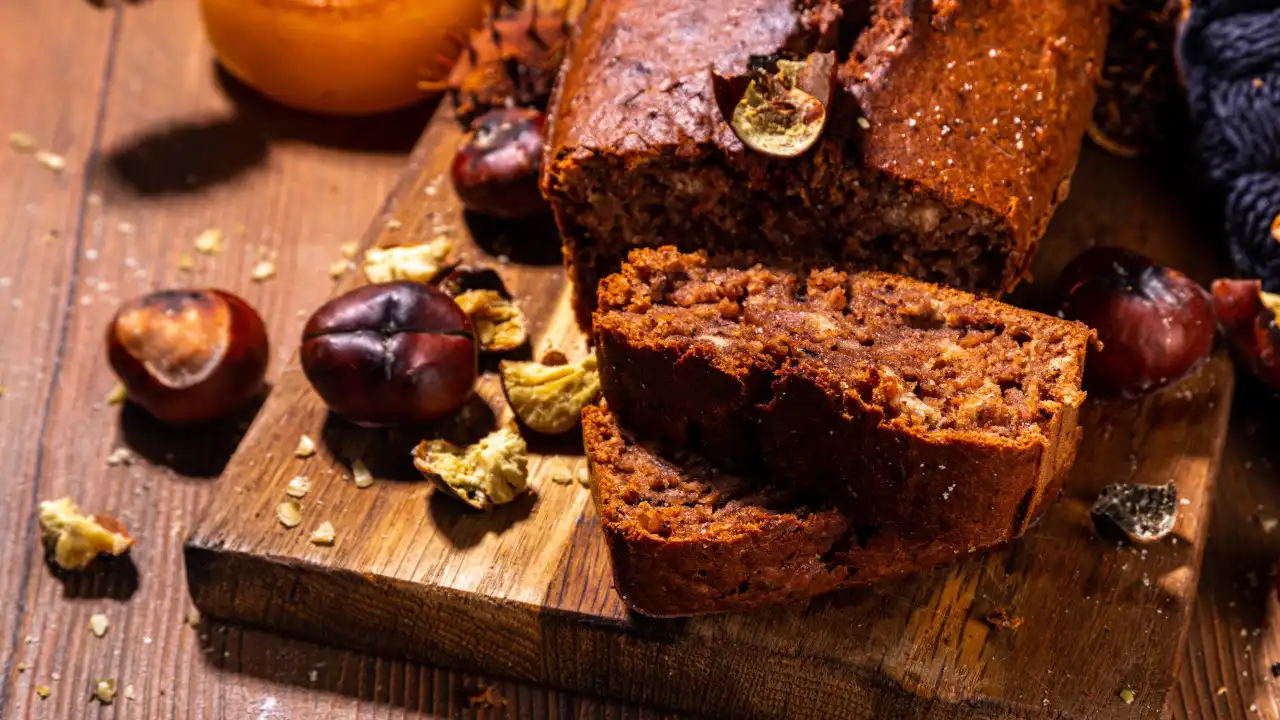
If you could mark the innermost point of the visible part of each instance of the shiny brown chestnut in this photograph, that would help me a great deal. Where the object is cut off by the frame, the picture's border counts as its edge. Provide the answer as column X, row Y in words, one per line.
column 1248, row 319
column 188, row 356
column 1155, row 324
column 495, row 171
column 391, row 354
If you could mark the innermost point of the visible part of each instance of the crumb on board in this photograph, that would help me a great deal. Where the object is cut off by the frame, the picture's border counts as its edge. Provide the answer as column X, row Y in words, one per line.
column 324, row 535
column 120, row 456
column 349, row 250
column 128, row 693
column 209, row 241
column 306, row 447
column 489, row 697
column 186, row 263
column 298, row 487
column 263, row 271
column 339, row 268
column 360, row 474
column 98, row 624
column 117, row 395
column 51, row 160
column 23, row 142
column 43, row 691
column 104, row 689
column 289, row 513
column 1000, row 619
column 1127, row 696
column 193, row 618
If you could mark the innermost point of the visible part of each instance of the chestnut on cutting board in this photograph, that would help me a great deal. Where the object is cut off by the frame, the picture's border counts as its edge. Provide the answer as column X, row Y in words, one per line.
column 391, row 354
column 1155, row 324
column 188, row 356
column 495, row 171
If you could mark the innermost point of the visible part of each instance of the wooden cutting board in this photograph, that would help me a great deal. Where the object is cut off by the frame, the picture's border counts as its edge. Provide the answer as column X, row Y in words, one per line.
column 526, row 591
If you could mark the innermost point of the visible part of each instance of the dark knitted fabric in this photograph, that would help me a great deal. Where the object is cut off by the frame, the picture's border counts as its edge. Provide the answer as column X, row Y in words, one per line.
column 1230, row 54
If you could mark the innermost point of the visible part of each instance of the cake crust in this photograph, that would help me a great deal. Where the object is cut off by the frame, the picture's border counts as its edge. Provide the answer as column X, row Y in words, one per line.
column 953, row 137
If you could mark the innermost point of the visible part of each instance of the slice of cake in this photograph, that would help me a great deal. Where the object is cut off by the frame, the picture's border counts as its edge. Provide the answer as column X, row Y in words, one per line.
column 950, row 138
column 918, row 410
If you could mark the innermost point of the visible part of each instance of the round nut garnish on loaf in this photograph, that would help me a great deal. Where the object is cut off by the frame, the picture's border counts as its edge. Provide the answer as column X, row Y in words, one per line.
column 493, row 471
column 1137, row 513
column 783, row 110
column 549, row 398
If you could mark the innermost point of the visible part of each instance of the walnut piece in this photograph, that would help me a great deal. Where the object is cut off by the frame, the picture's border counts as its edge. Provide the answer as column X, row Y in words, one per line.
column 491, row 472
column 498, row 321
column 421, row 262
column 549, row 398
column 75, row 539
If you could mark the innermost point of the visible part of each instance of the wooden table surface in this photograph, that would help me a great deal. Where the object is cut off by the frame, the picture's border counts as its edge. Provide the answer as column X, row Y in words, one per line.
column 158, row 147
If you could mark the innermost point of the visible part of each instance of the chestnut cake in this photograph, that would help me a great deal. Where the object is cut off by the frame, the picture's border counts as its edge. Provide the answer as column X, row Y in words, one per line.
column 927, row 422
column 950, row 138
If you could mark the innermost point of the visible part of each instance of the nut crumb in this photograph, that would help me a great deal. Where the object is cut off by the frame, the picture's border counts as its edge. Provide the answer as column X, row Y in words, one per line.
column 117, row 395
column 584, row 477
column 263, row 271
column 560, row 478
column 360, row 474
column 120, row 456
column 349, row 250
column 209, row 241
column 1268, row 523
column 43, row 691
column 128, row 693
column 1000, row 619
column 104, row 689
column 421, row 262
column 51, row 160
column 22, row 142
column 298, row 487
column 186, row 263
column 193, row 618
column 306, row 447
column 75, row 540
column 289, row 513
column 490, row 697
column 21, row 667
column 98, row 624
column 339, row 268
column 394, row 224
column 1222, row 690
column 1128, row 696
column 324, row 535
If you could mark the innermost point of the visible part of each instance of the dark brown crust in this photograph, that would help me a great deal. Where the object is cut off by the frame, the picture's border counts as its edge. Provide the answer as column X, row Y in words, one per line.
column 979, row 115
column 761, row 543
column 932, row 493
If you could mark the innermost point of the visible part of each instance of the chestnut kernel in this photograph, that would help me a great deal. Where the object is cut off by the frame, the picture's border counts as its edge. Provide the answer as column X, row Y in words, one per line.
column 391, row 354
column 495, row 171
column 1248, row 319
column 188, row 356
column 1154, row 323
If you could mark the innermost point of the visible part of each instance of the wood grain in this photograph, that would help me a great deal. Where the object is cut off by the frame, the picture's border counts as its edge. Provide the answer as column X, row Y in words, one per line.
column 524, row 592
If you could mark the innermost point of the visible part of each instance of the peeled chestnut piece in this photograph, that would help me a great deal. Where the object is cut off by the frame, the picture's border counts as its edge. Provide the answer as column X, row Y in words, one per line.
column 390, row 354
column 1155, row 324
column 1248, row 319
column 188, row 356
column 496, row 169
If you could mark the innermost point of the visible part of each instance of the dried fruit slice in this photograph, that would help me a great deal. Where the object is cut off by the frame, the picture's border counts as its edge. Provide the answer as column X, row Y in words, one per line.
column 491, row 472
column 549, row 398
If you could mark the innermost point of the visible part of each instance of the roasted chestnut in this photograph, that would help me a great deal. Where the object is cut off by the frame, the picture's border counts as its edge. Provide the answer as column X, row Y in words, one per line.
column 1248, row 319
column 390, row 354
column 1155, row 324
column 188, row 356
column 496, row 317
column 496, row 169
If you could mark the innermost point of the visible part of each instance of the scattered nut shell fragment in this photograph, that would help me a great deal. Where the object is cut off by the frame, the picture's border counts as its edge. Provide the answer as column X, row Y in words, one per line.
column 98, row 624
column 493, row 471
column 306, row 447
column 360, row 474
column 104, row 689
column 498, row 322
column 421, row 263
column 298, row 487
column 263, row 271
column 324, row 535
column 289, row 513
column 75, row 540
column 209, row 241
column 549, row 398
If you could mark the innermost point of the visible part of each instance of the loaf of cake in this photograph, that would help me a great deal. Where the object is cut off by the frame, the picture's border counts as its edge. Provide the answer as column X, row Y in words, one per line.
column 946, row 421
column 951, row 136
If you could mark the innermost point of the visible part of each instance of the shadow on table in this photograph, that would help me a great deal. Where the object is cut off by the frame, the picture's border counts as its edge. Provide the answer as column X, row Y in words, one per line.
column 197, row 451
column 115, row 578
column 188, row 155
column 419, row 688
